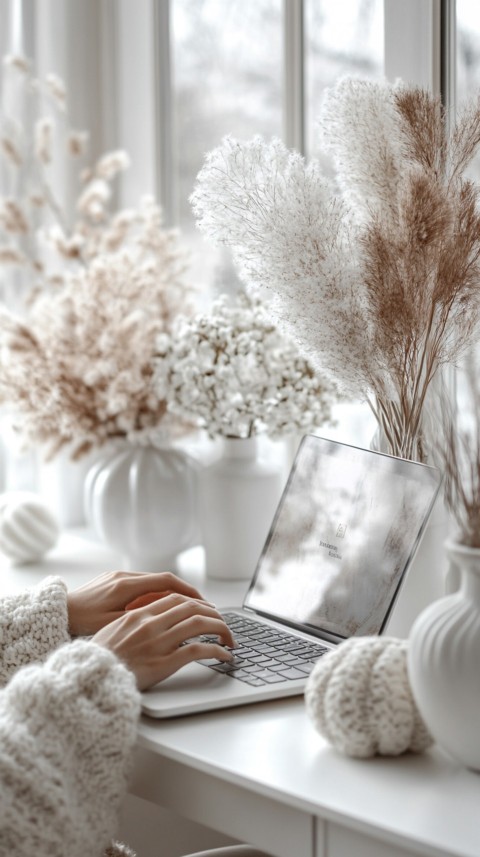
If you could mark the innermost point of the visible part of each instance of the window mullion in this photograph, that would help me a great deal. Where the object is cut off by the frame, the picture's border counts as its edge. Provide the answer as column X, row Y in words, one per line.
column 448, row 65
column 164, row 117
column 294, row 78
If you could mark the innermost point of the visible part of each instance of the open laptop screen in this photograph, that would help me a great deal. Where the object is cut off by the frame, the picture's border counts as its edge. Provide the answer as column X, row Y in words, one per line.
column 345, row 529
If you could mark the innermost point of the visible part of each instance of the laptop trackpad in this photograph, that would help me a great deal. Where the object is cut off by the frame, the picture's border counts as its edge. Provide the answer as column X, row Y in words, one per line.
column 197, row 688
column 190, row 678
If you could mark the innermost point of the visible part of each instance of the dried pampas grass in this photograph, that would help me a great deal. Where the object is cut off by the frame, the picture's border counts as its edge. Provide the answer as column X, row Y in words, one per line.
column 377, row 277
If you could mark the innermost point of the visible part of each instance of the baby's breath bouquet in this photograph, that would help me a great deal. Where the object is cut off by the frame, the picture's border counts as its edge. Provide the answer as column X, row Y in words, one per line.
column 375, row 275
column 233, row 373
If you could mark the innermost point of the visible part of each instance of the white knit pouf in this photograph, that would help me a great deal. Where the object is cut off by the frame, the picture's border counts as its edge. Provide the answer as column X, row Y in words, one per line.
column 359, row 699
column 27, row 527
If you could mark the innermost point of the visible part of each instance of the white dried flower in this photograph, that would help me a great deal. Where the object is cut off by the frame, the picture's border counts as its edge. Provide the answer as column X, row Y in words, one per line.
column 44, row 140
column 16, row 61
column 55, row 281
column 11, row 256
column 86, row 175
column 70, row 247
column 234, row 374
column 56, row 87
column 12, row 217
column 37, row 200
column 112, row 163
column 11, row 151
column 77, row 142
column 92, row 202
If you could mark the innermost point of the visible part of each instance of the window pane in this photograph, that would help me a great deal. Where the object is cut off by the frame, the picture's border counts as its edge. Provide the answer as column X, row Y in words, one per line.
column 227, row 64
column 341, row 38
column 468, row 85
column 468, row 49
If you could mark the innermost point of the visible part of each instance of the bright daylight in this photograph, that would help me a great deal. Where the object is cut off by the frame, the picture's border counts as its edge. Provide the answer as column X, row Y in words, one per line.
column 239, row 428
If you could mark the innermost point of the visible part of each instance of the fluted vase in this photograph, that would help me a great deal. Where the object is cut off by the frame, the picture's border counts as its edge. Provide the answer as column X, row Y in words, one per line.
column 443, row 662
column 142, row 502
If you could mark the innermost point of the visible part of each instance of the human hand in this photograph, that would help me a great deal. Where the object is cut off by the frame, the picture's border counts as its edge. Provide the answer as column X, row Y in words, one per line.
column 105, row 598
column 152, row 640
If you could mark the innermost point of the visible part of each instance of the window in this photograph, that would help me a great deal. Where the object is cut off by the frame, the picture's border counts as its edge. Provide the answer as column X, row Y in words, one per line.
column 166, row 79
column 228, row 74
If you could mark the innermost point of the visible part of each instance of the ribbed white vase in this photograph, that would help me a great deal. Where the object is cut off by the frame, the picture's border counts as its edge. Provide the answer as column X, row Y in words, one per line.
column 142, row 502
column 444, row 662
column 238, row 495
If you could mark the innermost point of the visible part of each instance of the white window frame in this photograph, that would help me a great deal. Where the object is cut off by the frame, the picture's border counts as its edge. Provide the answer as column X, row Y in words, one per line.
column 133, row 106
column 131, row 53
column 415, row 46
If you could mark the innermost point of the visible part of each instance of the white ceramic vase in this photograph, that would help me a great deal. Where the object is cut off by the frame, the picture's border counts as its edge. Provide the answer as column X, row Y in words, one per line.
column 61, row 483
column 142, row 502
column 238, row 495
column 443, row 662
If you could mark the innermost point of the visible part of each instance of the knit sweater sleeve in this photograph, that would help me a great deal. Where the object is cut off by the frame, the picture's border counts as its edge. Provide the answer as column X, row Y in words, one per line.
column 67, row 730
column 32, row 625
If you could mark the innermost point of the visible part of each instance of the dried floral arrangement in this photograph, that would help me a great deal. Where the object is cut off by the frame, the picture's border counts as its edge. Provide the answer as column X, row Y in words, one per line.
column 76, row 365
column 458, row 452
column 42, row 236
column 376, row 275
column 79, row 370
column 233, row 373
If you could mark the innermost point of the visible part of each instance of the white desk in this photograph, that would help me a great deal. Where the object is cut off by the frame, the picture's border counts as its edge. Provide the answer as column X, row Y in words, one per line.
column 263, row 775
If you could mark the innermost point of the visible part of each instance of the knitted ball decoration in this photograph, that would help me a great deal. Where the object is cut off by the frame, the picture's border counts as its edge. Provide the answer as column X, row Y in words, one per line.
column 359, row 699
column 27, row 527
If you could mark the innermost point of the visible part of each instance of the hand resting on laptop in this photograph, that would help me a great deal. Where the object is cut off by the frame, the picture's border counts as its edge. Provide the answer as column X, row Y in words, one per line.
column 153, row 640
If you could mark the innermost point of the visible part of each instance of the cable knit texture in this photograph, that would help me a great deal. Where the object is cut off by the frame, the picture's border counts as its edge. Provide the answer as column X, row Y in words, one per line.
column 359, row 698
column 32, row 625
column 118, row 849
column 67, row 729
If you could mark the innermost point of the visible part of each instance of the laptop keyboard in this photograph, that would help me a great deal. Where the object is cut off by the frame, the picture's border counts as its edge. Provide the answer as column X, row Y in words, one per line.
column 265, row 655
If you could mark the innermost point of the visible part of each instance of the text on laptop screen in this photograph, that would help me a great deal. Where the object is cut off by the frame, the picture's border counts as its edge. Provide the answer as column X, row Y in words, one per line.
column 343, row 534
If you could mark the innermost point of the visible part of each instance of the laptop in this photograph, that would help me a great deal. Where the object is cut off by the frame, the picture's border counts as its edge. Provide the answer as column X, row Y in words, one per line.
column 344, row 534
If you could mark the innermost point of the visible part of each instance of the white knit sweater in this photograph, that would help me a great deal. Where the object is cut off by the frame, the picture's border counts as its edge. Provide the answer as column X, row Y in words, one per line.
column 68, row 723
